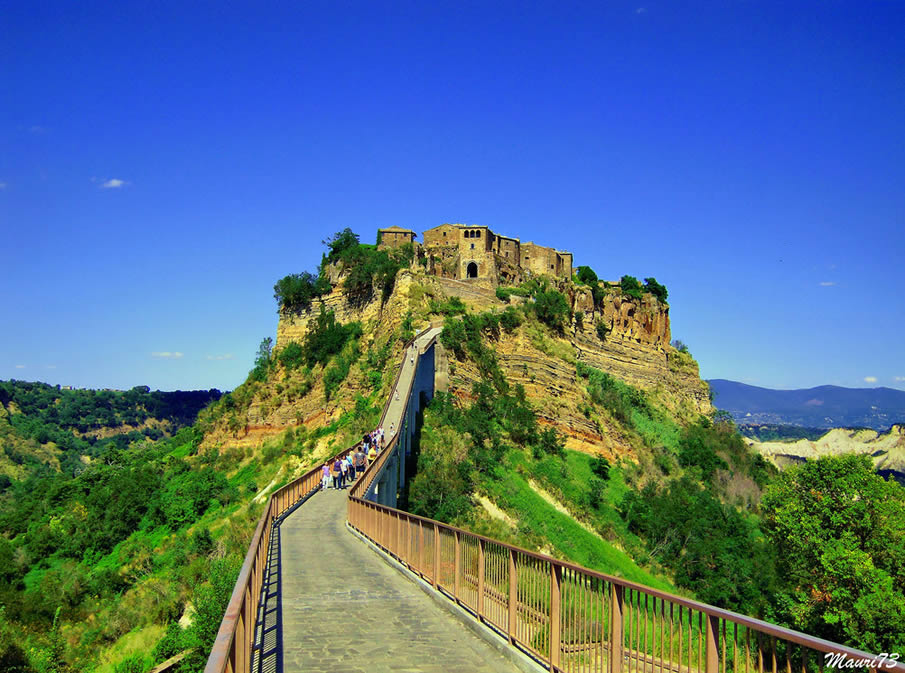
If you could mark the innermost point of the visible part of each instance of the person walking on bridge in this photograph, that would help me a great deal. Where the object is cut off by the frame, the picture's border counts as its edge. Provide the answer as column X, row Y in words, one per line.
column 337, row 474
column 372, row 455
column 360, row 460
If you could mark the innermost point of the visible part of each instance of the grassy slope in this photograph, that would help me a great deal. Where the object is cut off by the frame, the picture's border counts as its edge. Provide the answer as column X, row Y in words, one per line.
column 541, row 523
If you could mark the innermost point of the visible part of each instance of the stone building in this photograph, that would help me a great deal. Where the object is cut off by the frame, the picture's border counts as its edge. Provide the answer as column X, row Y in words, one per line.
column 477, row 252
column 394, row 237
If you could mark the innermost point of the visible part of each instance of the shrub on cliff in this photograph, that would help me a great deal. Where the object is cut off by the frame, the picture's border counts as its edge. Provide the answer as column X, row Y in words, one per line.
column 602, row 330
column 339, row 244
column 510, row 319
column 327, row 337
column 586, row 275
column 659, row 291
column 449, row 306
column 630, row 287
column 367, row 267
column 552, row 309
column 295, row 292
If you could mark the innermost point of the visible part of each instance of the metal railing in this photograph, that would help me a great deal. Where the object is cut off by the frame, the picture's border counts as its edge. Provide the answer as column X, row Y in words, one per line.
column 232, row 650
column 574, row 619
column 233, row 647
column 571, row 619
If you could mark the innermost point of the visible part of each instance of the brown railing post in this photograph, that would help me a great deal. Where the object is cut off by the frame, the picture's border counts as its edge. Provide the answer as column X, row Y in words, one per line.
column 240, row 644
column 713, row 653
column 480, row 578
column 513, row 595
column 458, row 569
column 420, row 547
column 616, row 625
column 436, row 556
column 555, row 635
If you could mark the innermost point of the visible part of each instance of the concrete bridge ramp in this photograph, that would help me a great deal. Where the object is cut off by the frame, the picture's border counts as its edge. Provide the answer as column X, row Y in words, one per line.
column 347, row 611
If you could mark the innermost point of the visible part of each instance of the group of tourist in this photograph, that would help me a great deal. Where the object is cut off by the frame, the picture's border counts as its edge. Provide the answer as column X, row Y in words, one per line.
column 344, row 471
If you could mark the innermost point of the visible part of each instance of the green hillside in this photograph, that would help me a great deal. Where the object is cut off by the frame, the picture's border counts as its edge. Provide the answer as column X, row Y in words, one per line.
column 124, row 520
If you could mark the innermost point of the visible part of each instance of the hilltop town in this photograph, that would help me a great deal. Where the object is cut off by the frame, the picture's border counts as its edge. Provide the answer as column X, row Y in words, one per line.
column 465, row 252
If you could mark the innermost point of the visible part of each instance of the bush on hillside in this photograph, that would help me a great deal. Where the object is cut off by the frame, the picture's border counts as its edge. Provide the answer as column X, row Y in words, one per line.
column 712, row 549
column 552, row 309
column 292, row 356
column 326, row 337
column 586, row 275
column 837, row 530
column 449, row 306
column 295, row 292
column 659, row 291
column 510, row 319
column 339, row 244
column 630, row 287
column 700, row 446
column 602, row 330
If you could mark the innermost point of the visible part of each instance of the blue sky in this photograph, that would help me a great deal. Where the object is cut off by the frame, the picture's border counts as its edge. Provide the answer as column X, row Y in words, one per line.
column 163, row 164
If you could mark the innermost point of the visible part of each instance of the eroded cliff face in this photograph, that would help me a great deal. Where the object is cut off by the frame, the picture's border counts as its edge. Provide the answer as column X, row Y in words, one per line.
column 635, row 350
column 292, row 399
column 886, row 449
column 546, row 367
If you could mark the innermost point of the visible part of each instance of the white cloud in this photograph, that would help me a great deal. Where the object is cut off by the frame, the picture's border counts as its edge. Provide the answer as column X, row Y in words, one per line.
column 224, row 356
column 37, row 129
column 50, row 366
column 3, row 186
column 20, row 366
column 113, row 183
column 166, row 355
column 899, row 379
column 641, row 10
column 827, row 283
column 870, row 379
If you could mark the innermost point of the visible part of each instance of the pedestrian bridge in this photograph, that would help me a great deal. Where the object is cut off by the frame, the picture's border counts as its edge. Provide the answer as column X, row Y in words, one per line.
column 318, row 590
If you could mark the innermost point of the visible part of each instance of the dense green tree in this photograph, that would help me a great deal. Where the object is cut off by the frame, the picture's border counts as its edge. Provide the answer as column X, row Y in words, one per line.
column 659, row 291
column 340, row 243
column 837, row 528
column 630, row 287
column 586, row 275
column 295, row 292
column 700, row 446
column 711, row 548
column 552, row 309
column 510, row 319
column 326, row 337
column 600, row 466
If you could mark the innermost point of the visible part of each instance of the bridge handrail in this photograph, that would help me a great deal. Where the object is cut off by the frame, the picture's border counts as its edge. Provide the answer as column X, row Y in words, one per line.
column 231, row 652
column 571, row 597
column 411, row 539
column 360, row 488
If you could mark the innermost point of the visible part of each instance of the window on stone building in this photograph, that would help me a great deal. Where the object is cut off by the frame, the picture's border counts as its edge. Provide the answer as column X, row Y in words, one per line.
column 477, row 234
column 472, row 246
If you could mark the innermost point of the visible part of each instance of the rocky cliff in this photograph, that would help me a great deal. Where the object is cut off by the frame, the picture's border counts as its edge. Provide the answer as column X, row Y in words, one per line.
column 636, row 350
column 886, row 449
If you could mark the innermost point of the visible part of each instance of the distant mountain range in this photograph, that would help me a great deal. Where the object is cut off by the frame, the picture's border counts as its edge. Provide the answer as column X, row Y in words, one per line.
column 820, row 407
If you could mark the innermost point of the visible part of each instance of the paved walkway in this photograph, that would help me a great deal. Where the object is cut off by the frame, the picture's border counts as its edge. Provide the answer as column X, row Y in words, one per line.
column 397, row 406
column 346, row 611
